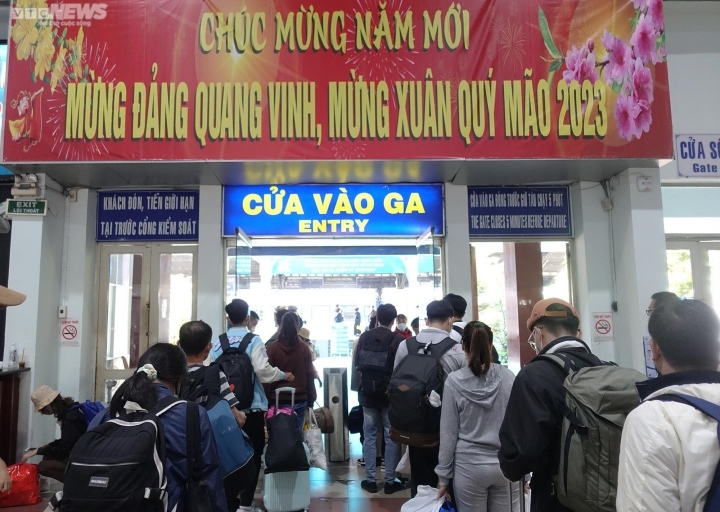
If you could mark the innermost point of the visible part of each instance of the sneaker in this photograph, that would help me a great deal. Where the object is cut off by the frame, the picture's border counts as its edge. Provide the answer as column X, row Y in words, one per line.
column 381, row 464
column 361, row 461
column 391, row 488
column 369, row 486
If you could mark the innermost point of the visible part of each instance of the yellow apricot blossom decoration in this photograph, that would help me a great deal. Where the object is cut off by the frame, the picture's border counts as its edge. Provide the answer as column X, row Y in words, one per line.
column 44, row 52
column 58, row 72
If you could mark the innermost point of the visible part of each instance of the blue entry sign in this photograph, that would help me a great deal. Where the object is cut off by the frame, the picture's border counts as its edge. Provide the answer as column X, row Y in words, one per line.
column 333, row 210
column 147, row 215
column 519, row 211
column 698, row 156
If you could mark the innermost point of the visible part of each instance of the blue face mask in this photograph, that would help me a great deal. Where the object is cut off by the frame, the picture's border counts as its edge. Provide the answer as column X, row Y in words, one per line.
column 401, row 327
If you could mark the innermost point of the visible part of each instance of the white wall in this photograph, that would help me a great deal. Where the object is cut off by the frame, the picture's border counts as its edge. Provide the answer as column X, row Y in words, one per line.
column 78, row 293
column 36, row 253
column 693, row 46
column 211, row 260
column 591, row 259
column 457, row 245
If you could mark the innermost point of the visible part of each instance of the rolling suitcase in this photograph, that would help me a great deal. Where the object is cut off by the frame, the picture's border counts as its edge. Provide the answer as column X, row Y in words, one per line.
column 523, row 502
column 288, row 490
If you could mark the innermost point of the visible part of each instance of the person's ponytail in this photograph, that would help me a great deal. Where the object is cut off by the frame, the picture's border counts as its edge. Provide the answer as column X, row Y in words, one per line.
column 138, row 389
column 167, row 363
column 476, row 344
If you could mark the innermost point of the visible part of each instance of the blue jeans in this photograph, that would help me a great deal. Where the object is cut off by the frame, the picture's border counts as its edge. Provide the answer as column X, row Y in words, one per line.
column 300, row 411
column 375, row 418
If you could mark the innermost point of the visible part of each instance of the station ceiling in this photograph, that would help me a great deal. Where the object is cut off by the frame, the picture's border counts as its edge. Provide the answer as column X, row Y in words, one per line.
column 462, row 172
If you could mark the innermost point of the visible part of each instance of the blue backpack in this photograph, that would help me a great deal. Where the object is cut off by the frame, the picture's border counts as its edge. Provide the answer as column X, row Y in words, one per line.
column 89, row 409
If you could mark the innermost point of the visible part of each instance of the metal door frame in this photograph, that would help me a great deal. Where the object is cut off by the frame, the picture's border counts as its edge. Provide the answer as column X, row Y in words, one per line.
column 149, row 283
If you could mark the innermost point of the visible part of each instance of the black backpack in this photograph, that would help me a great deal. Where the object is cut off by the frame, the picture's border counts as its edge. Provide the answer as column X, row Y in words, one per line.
column 202, row 382
column 413, row 420
column 238, row 368
column 375, row 366
column 119, row 465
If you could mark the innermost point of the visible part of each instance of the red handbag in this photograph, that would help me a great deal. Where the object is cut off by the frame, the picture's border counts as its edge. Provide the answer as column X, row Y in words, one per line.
column 25, row 488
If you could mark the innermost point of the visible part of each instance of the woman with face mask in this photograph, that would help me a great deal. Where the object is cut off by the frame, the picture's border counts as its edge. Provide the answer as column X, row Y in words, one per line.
column 402, row 327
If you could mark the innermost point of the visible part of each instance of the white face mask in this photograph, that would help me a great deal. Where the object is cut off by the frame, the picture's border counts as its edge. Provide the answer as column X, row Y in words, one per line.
column 401, row 327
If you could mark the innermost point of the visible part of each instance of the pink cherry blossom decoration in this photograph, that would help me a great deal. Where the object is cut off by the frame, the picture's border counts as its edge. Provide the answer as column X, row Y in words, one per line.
column 619, row 58
column 644, row 39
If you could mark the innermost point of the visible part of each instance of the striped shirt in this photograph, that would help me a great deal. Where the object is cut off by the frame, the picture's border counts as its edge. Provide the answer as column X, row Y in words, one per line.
column 225, row 390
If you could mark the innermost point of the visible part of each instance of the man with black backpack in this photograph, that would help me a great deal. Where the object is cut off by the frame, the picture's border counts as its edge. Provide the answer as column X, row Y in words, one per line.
column 244, row 360
column 531, row 430
column 669, row 452
column 374, row 359
column 206, row 385
column 421, row 365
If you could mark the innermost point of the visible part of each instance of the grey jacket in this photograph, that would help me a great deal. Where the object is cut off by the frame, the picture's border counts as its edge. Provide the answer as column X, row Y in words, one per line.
column 473, row 408
column 454, row 358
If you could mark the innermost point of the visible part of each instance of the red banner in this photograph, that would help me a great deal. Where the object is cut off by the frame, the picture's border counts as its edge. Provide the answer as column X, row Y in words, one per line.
column 357, row 80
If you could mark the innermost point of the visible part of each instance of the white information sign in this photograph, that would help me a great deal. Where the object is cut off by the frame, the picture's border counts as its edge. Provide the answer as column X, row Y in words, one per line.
column 650, row 369
column 602, row 326
column 69, row 334
column 698, row 156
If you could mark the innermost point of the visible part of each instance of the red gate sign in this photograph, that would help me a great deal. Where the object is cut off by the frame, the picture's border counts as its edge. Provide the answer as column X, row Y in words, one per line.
column 259, row 80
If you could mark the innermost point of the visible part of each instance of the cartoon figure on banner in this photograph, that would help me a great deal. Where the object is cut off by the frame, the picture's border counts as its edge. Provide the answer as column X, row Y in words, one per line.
column 28, row 128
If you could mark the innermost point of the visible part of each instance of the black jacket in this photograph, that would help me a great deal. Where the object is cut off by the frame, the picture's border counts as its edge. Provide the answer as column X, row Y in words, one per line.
column 377, row 335
column 530, row 432
column 73, row 426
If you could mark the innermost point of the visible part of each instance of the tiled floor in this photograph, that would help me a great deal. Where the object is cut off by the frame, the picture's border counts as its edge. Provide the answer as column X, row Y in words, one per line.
column 335, row 490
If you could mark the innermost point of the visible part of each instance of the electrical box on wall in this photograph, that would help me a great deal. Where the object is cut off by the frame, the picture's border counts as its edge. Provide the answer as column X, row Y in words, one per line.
column 644, row 184
column 62, row 311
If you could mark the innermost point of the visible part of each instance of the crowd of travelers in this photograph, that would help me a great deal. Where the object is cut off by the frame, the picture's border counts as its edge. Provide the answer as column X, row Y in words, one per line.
column 578, row 433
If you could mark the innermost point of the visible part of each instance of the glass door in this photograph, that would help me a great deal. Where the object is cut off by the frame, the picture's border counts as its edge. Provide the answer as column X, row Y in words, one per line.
column 239, row 265
column 146, row 293
column 429, row 264
column 694, row 270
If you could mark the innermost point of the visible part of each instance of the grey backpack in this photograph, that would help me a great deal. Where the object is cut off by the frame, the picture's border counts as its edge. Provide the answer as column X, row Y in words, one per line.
column 597, row 401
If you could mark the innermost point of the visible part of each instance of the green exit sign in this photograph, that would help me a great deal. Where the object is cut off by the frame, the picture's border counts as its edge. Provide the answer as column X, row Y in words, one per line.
column 26, row 207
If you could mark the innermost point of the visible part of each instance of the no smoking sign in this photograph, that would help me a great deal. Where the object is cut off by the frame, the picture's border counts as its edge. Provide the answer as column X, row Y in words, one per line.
column 69, row 333
column 602, row 327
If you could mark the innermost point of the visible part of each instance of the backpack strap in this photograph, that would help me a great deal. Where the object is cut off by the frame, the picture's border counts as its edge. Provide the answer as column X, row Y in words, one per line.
column 247, row 339
column 224, row 342
column 165, row 404
column 458, row 329
column 413, row 346
column 709, row 409
column 436, row 350
column 568, row 365
column 192, row 438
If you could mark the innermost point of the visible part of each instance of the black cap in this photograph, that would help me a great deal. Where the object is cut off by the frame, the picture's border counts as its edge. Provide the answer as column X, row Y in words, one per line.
column 439, row 310
column 237, row 311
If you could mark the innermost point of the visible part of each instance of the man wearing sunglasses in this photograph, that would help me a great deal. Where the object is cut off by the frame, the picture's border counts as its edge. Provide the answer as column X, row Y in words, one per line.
column 530, row 433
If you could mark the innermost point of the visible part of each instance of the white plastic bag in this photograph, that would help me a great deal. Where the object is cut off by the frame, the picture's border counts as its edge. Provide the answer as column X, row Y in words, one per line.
column 313, row 438
column 404, row 464
column 425, row 501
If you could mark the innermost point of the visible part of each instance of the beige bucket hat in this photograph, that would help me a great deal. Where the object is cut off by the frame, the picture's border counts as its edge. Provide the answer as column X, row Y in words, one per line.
column 10, row 297
column 43, row 396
